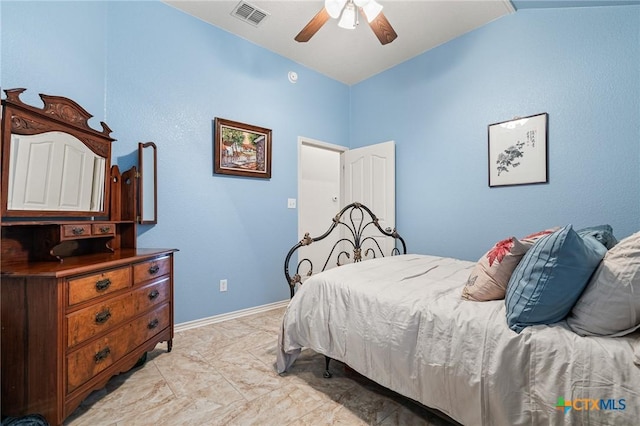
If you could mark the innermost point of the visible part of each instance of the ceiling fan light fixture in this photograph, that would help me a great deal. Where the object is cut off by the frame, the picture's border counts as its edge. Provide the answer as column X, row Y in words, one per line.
column 371, row 9
column 348, row 18
column 346, row 12
column 334, row 7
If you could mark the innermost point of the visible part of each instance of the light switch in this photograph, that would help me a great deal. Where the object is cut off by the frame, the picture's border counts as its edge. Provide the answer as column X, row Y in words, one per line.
column 291, row 203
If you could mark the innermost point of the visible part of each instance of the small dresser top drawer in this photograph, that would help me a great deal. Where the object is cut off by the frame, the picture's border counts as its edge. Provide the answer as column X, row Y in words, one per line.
column 76, row 230
column 91, row 286
column 151, row 269
column 98, row 229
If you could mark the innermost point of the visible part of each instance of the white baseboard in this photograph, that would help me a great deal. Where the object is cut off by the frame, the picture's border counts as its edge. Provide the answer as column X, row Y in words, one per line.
column 231, row 315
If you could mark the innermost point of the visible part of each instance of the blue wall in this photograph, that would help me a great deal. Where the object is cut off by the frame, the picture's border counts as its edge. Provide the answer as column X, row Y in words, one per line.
column 153, row 73
column 156, row 74
column 580, row 65
column 55, row 48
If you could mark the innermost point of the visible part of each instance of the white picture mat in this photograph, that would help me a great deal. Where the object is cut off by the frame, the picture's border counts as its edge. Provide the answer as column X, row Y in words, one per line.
column 518, row 151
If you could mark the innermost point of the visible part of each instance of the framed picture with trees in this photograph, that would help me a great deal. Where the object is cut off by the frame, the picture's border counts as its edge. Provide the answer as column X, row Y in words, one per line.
column 241, row 149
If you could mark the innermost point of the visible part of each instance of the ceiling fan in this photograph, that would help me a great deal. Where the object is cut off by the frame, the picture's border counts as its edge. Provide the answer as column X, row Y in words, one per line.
column 347, row 11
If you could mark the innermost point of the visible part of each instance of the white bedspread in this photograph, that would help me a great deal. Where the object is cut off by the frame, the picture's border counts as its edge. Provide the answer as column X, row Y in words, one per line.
column 400, row 321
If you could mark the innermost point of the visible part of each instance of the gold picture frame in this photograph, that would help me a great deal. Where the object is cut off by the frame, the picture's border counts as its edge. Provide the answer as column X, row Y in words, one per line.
column 241, row 149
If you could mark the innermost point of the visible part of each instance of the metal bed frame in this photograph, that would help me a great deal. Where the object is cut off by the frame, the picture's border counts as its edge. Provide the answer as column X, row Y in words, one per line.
column 354, row 219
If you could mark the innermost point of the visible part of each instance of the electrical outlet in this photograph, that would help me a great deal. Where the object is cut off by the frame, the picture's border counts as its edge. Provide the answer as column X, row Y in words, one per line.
column 223, row 285
column 291, row 203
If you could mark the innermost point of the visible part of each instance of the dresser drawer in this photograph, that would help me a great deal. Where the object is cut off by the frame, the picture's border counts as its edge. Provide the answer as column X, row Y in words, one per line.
column 76, row 230
column 152, row 295
column 88, row 322
column 90, row 360
column 151, row 324
column 98, row 229
column 151, row 269
column 96, row 285
column 93, row 358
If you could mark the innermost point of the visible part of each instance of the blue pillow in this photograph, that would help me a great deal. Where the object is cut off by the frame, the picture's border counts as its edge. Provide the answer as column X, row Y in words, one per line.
column 602, row 233
column 550, row 278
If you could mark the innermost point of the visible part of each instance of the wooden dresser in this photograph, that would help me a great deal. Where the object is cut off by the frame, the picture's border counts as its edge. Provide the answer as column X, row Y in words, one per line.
column 79, row 301
column 68, row 327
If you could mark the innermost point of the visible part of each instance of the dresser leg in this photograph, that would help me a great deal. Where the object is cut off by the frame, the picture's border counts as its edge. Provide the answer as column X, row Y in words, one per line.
column 169, row 345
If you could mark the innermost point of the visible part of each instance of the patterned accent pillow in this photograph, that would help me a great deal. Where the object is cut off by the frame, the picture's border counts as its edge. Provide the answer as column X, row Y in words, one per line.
column 550, row 278
column 490, row 276
column 610, row 305
column 531, row 239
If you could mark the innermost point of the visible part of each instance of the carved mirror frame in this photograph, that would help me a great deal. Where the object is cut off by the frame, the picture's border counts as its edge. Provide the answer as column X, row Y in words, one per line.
column 59, row 114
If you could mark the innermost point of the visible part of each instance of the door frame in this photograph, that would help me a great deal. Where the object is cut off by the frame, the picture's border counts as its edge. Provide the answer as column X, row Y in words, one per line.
column 302, row 140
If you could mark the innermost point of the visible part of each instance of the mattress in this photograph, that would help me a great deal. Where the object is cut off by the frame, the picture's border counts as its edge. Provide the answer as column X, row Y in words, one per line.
column 401, row 322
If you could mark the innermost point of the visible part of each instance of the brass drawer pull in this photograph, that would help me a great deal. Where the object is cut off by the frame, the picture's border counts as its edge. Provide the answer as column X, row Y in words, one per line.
column 102, row 285
column 105, row 229
column 154, row 295
column 102, row 317
column 153, row 324
column 154, row 269
column 77, row 231
column 102, row 355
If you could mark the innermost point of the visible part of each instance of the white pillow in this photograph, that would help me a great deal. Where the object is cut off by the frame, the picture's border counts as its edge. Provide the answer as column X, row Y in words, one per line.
column 610, row 304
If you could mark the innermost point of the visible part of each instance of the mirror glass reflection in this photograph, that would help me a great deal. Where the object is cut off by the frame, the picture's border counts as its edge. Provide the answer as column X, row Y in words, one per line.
column 147, row 186
column 54, row 171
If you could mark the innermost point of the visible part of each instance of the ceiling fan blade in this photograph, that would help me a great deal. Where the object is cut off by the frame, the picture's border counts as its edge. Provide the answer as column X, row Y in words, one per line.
column 313, row 26
column 383, row 29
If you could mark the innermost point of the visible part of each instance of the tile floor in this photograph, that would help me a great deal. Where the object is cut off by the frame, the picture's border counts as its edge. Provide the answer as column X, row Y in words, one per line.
column 224, row 374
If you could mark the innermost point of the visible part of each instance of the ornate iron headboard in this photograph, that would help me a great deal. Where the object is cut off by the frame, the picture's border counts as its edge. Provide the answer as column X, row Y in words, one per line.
column 353, row 220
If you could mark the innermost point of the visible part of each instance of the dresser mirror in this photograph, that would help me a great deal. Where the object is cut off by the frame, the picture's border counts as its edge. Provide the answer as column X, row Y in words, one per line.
column 53, row 163
column 54, row 171
column 147, row 162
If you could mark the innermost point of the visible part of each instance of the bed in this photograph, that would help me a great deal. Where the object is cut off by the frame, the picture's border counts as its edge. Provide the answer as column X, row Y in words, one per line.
column 408, row 322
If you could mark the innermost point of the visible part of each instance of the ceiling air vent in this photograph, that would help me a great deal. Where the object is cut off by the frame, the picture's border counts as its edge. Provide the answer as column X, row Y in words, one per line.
column 249, row 13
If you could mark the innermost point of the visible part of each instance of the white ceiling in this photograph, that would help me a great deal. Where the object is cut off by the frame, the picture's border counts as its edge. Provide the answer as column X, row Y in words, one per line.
column 350, row 56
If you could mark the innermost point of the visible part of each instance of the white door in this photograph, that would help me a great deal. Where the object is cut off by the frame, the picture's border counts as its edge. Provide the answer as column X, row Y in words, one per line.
column 319, row 197
column 330, row 177
column 370, row 178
